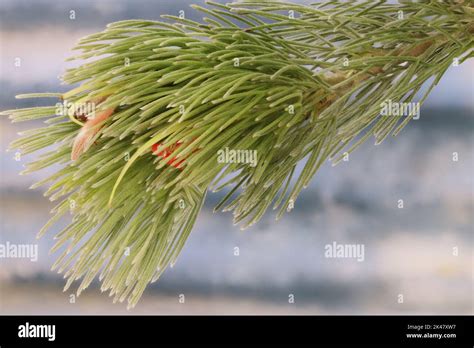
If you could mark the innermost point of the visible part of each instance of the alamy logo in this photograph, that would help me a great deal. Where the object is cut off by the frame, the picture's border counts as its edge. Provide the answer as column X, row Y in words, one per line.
column 389, row 108
column 37, row 331
column 20, row 251
column 82, row 109
column 345, row 251
column 237, row 156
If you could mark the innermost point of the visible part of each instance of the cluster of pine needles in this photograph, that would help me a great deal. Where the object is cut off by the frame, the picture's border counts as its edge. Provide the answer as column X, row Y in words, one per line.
column 297, row 83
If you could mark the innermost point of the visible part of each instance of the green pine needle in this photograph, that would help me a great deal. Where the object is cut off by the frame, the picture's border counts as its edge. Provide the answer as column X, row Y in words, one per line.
column 291, row 82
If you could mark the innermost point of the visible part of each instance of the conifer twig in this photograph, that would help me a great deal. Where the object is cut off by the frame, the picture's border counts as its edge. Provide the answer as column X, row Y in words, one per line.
column 294, row 83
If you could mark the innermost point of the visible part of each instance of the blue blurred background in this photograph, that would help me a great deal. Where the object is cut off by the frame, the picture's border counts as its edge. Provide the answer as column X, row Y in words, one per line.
column 408, row 251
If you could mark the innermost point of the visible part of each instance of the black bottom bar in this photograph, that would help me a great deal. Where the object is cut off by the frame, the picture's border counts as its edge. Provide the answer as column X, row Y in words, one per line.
column 141, row 331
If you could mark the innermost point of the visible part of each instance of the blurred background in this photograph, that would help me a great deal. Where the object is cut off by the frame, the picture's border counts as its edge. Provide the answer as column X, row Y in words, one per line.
column 408, row 251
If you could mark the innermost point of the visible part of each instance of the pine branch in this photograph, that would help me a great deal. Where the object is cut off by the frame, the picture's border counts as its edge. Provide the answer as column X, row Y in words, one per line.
column 294, row 83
